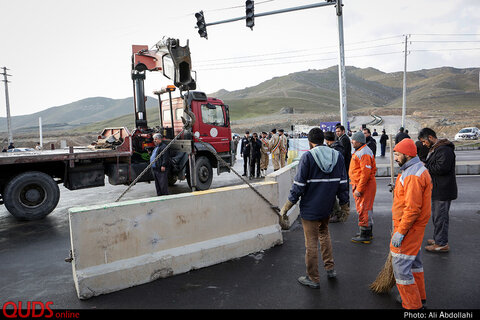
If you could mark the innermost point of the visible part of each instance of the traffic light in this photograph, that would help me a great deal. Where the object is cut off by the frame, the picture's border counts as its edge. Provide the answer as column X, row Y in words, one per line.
column 250, row 14
column 202, row 26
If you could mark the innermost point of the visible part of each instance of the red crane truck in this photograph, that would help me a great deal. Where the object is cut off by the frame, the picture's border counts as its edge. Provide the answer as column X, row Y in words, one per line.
column 29, row 180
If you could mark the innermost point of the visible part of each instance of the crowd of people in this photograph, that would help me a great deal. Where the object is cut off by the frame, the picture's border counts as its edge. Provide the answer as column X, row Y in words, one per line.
column 424, row 188
column 256, row 152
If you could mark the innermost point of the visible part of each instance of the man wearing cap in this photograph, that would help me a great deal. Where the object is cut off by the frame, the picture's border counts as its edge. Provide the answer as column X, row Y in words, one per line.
column 274, row 146
column 283, row 147
column 264, row 158
column 410, row 214
column 160, row 166
column 364, row 186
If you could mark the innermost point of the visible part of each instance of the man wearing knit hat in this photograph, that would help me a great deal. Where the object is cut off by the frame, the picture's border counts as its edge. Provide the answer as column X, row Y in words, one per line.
column 410, row 214
column 364, row 186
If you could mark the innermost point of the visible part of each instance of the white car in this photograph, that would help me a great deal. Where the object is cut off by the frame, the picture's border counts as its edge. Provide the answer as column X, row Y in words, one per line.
column 468, row 134
column 20, row 149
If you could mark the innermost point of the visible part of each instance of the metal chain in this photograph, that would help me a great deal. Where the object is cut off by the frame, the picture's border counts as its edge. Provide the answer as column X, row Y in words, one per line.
column 274, row 208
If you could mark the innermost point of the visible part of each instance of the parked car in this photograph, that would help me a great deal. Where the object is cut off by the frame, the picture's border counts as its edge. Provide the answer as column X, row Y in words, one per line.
column 468, row 134
column 20, row 149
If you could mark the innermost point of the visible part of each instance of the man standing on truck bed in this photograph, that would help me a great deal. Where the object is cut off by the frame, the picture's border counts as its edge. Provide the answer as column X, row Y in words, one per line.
column 160, row 167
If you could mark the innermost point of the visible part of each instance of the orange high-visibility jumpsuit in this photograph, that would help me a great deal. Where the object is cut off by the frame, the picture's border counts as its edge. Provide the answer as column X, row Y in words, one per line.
column 410, row 214
column 362, row 178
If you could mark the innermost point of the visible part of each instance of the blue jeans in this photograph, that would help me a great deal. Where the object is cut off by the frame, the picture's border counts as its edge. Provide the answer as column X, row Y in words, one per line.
column 440, row 219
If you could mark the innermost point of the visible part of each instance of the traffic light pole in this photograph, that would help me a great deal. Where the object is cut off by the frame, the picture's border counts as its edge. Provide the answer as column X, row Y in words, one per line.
column 309, row 6
column 341, row 63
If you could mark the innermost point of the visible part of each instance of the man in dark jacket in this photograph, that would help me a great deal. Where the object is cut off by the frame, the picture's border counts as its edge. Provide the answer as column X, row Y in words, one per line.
column 245, row 152
column 371, row 142
column 255, row 155
column 161, row 165
column 330, row 141
column 339, row 213
column 440, row 163
column 422, row 151
column 401, row 135
column 320, row 177
column 383, row 143
column 346, row 143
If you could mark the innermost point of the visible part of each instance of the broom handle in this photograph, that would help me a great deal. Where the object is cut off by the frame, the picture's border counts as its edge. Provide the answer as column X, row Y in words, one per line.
column 391, row 164
column 392, row 170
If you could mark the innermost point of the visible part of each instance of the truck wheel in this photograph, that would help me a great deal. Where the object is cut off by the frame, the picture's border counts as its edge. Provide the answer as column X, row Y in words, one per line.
column 31, row 195
column 204, row 173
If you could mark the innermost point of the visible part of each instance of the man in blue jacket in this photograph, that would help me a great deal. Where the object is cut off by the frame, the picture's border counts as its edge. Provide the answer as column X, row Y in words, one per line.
column 320, row 178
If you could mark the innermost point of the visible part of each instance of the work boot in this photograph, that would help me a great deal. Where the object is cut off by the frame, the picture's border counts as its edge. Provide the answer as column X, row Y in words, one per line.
column 331, row 274
column 305, row 280
column 333, row 219
column 398, row 298
column 437, row 248
column 365, row 235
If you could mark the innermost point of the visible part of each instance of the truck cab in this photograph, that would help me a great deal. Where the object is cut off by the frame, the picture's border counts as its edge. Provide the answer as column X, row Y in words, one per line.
column 211, row 126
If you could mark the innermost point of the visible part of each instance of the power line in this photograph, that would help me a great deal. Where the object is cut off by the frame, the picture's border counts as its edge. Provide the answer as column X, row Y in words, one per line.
column 292, row 62
column 303, row 50
column 286, row 57
column 443, row 41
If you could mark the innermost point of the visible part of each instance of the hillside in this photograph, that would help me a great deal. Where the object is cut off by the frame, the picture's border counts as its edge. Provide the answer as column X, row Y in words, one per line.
column 444, row 98
column 75, row 114
column 317, row 91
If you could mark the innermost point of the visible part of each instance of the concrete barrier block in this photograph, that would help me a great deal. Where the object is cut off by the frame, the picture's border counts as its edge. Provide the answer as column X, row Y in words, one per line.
column 383, row 170
column 123, row 244
column 467, row 167
column 284, row 178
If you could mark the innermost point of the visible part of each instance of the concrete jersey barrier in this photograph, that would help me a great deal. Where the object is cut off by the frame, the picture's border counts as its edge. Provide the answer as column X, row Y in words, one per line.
column 123, row 244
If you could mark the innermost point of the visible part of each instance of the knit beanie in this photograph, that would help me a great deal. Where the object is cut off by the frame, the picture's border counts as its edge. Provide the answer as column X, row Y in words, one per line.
column 359, row 137
column 407, row 147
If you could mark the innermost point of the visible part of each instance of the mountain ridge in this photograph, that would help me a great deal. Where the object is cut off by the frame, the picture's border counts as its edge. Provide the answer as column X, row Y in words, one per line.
column 310, row 91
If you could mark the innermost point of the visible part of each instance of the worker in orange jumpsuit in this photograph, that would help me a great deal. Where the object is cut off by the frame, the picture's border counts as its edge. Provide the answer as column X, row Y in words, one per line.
column 410, row 214
column 364, row 186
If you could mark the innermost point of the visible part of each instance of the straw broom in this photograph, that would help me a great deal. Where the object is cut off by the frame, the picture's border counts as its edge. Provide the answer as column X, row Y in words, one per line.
column 385, row 280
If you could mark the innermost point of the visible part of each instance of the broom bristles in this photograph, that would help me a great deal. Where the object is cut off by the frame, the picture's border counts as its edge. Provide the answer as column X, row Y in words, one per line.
column 385, row 280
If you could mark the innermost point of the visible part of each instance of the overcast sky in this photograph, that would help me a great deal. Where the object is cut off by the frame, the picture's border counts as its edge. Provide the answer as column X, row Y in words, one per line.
column 61, row 51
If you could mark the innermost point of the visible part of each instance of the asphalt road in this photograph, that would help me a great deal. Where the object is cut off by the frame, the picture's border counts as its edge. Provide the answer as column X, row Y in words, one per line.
column 32, row 264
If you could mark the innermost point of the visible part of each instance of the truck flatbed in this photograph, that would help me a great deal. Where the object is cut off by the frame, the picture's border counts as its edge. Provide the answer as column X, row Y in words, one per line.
column 77, row 153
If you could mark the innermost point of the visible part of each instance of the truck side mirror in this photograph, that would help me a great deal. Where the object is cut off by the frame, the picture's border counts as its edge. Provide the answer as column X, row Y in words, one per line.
column 227, row 115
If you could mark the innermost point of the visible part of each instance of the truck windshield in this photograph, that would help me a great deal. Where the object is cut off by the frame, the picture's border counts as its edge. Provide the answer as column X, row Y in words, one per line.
column 213, row 114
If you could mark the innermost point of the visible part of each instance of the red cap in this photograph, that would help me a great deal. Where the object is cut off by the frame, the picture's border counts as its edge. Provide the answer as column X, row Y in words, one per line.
column 407, row 147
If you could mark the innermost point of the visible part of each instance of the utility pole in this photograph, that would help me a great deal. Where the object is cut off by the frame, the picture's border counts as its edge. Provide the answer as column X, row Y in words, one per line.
column 341, row 67
column 9, row 124
column 404, row 104
column 40, row 131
